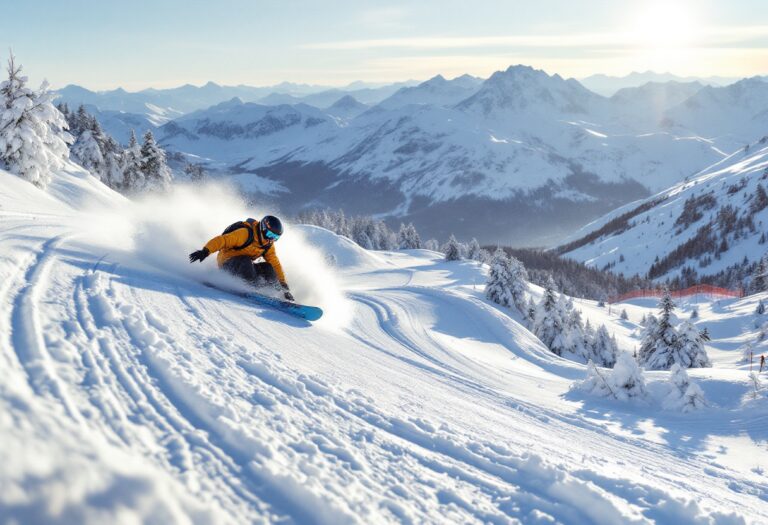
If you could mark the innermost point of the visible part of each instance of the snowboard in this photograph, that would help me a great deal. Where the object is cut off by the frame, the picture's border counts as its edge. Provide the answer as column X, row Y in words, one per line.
column 303, row 311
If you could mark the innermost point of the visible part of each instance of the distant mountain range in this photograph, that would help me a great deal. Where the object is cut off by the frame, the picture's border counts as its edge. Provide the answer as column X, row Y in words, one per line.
column 607, row 85
column 526, row 155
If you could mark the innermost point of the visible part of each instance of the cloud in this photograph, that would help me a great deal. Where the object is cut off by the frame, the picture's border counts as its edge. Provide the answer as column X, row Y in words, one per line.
column 710, row 36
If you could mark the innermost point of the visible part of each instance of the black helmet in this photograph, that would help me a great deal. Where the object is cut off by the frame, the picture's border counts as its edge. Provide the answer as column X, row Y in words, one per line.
column 271, row 228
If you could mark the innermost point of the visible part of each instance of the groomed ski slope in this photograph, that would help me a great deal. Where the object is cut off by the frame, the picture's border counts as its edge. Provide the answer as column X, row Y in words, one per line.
column 132, row 393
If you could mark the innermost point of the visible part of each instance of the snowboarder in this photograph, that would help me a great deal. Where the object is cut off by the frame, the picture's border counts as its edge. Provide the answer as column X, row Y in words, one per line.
column 244, row 242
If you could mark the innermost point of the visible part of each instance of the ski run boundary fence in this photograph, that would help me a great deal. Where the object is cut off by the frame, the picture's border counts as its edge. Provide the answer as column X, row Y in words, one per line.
column 699, row 289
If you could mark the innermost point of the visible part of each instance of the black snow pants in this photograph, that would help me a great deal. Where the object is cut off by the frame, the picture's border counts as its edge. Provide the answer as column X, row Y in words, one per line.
column 257, row 274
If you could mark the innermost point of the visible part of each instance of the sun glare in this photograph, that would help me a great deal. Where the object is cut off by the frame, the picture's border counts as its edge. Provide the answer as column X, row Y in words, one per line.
column 664, row 33
column 665, row 25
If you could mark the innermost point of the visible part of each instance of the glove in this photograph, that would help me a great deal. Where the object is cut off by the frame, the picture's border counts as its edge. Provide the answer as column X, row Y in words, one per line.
column 199, row 255
column 287, row 294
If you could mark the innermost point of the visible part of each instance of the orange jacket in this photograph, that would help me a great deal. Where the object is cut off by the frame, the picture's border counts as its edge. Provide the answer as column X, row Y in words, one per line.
column 225, row 244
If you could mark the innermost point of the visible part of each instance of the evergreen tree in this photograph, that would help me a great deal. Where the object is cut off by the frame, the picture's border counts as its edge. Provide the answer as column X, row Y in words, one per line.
column 604, row 348
column 759, row 200
column 432, row 244
column 497, row 287
column 157, row 175
column 760, row 309
column 760, row 276
column 684, row 394
column 195, row 172
column 452, row 249
column 549, row 324
column 625, row 381
column 408, row 238
column 664, row 345
column 624, row 316
column 530, row 311
column 133, row 177
column 473, row 250
column 87, row 152
column 507, row 283
column 690, row 352
column 33, row 137
column 659, row 342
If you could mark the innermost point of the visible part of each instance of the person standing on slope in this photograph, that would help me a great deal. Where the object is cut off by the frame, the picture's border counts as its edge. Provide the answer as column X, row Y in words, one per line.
column 244, row 242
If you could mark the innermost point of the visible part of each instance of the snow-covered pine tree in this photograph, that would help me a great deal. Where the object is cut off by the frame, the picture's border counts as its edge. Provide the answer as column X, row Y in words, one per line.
column 625, row 381
column 452, row 249
column 574, row 328
column 432, row 244
column 690, row 351
column 133, row 177
column 484, row 256
column 660, row 340
column 195, row 171
column 33, row 137
column 408, row 238
column 507, row 283
column 760, row 309
column 624, row 316
column 760, row 276
column 684, row 395
column 157, row 175
column 497, row 287
column 604, row 349
column 588, row 337
column 113, row 163
column 87, row 152
column 549, row 324
column 530, row 311
column 473, row 250
column 695, row 314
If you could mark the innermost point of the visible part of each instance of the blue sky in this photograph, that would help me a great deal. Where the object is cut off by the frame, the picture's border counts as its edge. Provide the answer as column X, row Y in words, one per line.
column 139, row 44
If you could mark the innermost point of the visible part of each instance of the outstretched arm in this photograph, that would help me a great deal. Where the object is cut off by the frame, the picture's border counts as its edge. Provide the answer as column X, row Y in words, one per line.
column 228, row 240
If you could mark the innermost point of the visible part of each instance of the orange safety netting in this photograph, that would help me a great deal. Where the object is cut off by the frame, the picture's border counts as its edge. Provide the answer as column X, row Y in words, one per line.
column 699, row 289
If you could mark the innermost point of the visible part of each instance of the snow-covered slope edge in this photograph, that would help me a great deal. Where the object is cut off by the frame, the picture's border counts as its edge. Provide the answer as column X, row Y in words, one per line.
column 704, row 225
column 130, row 389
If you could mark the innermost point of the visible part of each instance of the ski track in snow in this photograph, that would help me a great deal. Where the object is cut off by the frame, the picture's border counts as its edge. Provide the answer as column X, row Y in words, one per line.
column 431, row 405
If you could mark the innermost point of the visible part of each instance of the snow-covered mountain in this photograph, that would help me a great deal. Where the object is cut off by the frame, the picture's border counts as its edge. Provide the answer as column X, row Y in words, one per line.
column 366, row 94
column 181, row 100
column 736, row 114
column 528, row 155
column 647, row 104
column 435, row 91
column 133, row 393
column 702, row 226
column 608, row 85
column 346, row 107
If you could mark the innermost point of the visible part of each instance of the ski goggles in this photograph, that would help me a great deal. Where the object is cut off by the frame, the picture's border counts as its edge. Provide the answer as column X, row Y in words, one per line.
column 271, row 235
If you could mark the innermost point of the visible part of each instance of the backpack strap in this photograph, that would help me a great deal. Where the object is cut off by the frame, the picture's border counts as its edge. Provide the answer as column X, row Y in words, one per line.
column 248, row 223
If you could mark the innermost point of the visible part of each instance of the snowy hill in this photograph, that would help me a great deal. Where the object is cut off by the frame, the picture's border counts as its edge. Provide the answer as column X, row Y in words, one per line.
column 133, row 393
column 713, row 221
column 529, row 154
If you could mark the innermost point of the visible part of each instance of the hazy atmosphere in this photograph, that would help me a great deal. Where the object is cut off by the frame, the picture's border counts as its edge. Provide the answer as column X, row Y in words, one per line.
column 175, row 42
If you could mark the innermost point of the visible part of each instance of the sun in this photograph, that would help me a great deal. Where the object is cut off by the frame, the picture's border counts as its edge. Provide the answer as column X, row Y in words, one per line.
column 663, row 35
column 666, row 25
